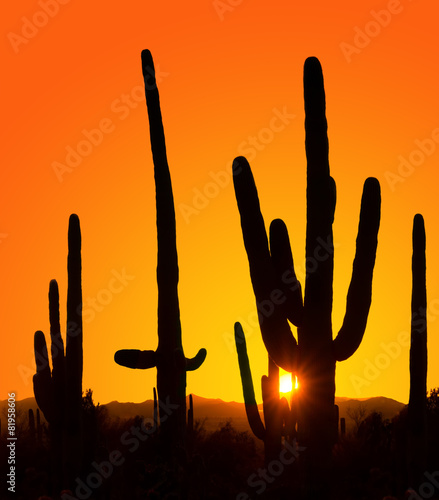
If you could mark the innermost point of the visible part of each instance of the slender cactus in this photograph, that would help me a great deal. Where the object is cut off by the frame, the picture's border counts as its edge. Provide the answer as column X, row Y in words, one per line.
column 276, row 411
column 39, row 428
column 58, row 392
column 155, row 414
column 169, row 357
column 190, row 415
column 343, row 426
column 417, row 408
column 32, row 430
column 313, row 356
column 336, row 422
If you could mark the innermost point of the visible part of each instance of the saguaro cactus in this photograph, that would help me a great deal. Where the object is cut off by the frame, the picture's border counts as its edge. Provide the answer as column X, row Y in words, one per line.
column 58, row 392
column 168, row 358
column 417, row 408
column 32, row 430
column 274, row 408
column 190, row 415
column 312, row 357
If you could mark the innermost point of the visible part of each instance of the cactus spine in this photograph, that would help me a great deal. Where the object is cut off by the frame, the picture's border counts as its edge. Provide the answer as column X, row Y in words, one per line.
column 275, row 411
column 169, row 357
column 58, row 392
column 313, row 356
column 417, row 408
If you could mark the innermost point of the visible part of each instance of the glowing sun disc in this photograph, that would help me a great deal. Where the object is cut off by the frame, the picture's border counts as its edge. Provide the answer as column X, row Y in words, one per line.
column 285, row 383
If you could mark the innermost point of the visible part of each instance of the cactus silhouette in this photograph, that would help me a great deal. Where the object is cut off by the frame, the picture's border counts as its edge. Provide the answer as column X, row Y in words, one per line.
column 190, row 415
column 58, row 392
column 417, row 407
column 274, row 408
column 313, row 356
column 39, row 428
column 32, row 429
column 343, row 426
column 155, row 411
column 169, row 357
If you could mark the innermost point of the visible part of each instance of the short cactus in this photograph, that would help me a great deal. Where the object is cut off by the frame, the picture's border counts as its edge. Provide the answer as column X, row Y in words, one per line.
column 58, row 392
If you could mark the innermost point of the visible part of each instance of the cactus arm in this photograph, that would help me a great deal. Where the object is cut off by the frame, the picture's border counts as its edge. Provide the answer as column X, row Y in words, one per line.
column 155, row 412
column 190, row 415
column 57, row 344
column 251, row 407
column 283, row 263
column 135, row 358
column 57, row 349
column 360, row 289
column 276, row 333
column 320, row 202
column 42, row 380
column 195, row 362
column 418, row 347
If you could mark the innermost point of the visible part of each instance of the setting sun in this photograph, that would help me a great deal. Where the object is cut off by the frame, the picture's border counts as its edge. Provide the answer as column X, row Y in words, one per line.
column 285, row 383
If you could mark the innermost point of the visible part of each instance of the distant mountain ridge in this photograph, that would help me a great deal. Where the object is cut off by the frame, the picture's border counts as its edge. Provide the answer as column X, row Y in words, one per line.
column 214, row 412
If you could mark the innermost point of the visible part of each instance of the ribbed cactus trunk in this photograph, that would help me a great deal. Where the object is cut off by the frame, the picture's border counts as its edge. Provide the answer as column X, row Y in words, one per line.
column 417, row 408
column 169, row 357
column 58, row 392
column 313, row 356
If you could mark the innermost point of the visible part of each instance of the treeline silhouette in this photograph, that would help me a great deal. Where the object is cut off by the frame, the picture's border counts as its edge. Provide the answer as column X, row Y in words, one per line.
column 78, row 452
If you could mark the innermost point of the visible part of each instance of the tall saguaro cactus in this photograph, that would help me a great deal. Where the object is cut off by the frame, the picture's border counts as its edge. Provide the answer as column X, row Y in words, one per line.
column 313, row 356
column 417, row 408
column 58, row 392
column 169, row 357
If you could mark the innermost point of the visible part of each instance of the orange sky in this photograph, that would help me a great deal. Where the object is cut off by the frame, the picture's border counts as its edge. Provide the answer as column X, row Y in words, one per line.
column 225, row 69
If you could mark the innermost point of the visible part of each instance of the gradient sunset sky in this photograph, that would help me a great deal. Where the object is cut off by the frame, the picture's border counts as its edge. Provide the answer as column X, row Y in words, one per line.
column 230, row 83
